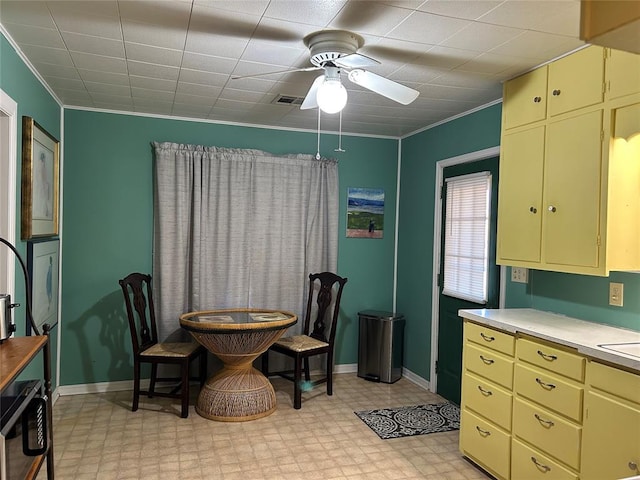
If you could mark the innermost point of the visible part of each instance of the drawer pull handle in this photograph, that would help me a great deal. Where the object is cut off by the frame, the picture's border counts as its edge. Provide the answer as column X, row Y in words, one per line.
column 488, row 361
column 633, row 466
column 488, row 393
column 543, row 421
column 541, row 466
column 487, row 337
column 546, row 356
column 484, row 433
column 548, row 386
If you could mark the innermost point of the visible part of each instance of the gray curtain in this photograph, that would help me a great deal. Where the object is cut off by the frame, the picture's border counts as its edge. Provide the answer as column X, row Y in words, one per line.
column 239, row 228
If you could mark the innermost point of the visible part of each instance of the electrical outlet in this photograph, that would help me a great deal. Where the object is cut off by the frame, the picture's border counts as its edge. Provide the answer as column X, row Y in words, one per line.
column 519, row 275
column 616, row 294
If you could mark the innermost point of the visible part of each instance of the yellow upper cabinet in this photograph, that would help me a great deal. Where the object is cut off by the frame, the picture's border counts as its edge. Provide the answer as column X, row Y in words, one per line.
column 576, row 81
column 568, row 194
column 525, row 99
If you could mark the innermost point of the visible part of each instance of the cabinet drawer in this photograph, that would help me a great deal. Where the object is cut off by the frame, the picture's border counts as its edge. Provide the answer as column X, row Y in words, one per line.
column 618, row 382
column 485, row 443
column 549, row 390
column 489, row 364
column 548, row 432
column 554, row 359
column 487, row 399
column 527, row 463
column 490, row 338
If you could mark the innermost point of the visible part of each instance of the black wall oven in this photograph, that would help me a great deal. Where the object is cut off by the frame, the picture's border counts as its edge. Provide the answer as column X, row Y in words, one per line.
column 23, row 428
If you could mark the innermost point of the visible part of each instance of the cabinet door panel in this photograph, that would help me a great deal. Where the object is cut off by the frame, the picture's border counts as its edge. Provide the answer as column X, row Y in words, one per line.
column 576, row 81
column 611, row 439
column 520, row 195
column 623, row 73
column 525, row 98
column 571, row 221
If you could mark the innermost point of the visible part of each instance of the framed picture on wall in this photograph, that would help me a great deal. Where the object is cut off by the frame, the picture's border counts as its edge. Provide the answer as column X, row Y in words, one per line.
column 365, row 212
column 40, row 181
column 43, row 259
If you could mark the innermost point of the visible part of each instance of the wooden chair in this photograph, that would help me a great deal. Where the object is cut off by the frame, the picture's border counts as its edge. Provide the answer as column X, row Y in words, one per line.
column 138, row 298
column 301, row 347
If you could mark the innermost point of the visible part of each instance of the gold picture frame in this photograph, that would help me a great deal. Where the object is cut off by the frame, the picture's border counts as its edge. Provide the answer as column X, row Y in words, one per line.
column 40, row 181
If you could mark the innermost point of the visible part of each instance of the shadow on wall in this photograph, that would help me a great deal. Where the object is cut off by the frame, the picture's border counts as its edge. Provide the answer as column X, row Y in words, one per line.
column 109, row 312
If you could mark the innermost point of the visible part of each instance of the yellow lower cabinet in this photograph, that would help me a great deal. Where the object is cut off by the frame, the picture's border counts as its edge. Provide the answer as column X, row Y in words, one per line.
column 548, row 432
column 529, row 464
column 485, row 444
column 611, row 438
column 487, row 399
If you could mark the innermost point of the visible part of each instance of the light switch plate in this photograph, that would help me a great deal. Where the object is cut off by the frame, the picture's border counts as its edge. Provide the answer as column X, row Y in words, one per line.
column 519, row 275
column 616, row 294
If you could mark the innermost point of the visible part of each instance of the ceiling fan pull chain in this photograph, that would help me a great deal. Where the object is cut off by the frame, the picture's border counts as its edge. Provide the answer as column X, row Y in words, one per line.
column 318, row 150
column 339, row 149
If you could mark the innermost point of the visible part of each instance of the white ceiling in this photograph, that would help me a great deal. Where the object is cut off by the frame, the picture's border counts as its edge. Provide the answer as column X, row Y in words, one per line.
column 177, row 57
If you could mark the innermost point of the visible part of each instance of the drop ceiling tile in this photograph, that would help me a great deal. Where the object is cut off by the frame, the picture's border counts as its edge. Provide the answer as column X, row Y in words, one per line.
column 145, row 94
column 152, row 70
column 481, row 37
column 282, row 32
column 274, row 54
column 255, row 7
column 414, row 74
column 145, row 105
column 470, row 10
column 156, row 35
column 208, row 63
column 187, row 99
column 518, row 14
column 32, row 13
column 74, row 96
column 215, row 45
column 232, row 105
column 40, row 54
column 88, row 24
column 445, row 58
column 254, row 84
column 174, row 15
column 305, row 11
column 99, row 63
column 104, row 8
column 456, row 78
column 189, row 110
column 373, row 18
column 241, row 95
column 427, row 28
column 104, row 77
column 63, row 83
column 148, row 54
column 33, row 35
column 153, row 83
column 115, row 105
column 391, row 50
column 489, row 63
column 96, row 45
column 254, row 68
column 563, row 21
column 203, row 78
column 108, row 89
column 199, row 90
column 50, row 69
column 106, row 98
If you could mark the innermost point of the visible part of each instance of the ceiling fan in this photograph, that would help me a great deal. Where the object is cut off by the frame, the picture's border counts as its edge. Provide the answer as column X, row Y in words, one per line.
column 336, row 52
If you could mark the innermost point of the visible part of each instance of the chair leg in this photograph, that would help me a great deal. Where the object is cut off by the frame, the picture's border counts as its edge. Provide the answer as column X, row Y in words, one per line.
column 297, row 379
column 185, row 389
column 307, row 374
column 136, row 385
column 265, row 363
column 152, row 380
column 330, row 373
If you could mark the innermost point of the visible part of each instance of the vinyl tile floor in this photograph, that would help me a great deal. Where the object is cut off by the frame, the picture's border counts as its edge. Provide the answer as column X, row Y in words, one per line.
column 97, row 436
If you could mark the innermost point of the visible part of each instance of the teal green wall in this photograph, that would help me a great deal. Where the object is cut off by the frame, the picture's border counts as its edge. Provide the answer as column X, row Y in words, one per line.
column 108, row 212
column 420, row 153
column 34, row 101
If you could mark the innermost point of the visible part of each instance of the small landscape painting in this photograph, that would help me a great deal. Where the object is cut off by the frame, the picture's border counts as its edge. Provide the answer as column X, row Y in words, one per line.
column 365, row 212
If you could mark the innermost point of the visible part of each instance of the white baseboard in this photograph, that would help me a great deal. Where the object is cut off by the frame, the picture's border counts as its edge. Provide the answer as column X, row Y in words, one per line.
column 417, row 379
column 346, row 368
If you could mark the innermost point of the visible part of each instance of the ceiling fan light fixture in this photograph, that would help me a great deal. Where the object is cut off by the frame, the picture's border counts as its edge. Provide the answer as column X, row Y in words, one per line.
column 332, row 96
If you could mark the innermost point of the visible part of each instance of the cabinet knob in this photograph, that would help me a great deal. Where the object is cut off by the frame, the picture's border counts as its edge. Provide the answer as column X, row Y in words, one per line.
column 556, row 93
column 633, row 466
column 537, row 99
column 533, row 209
column 552, row 208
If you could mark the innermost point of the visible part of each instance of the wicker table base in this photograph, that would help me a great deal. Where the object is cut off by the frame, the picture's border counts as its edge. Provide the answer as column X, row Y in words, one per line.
column 238, row 392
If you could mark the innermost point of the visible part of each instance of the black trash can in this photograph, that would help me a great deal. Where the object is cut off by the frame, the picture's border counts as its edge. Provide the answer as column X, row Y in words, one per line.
column 380, row 346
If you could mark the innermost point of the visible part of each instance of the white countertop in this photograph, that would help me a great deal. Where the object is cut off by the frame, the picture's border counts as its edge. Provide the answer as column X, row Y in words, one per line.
column 584, row 336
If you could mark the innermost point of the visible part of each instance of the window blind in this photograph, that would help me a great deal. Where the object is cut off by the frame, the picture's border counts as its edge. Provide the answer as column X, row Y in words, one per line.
column 466, row 243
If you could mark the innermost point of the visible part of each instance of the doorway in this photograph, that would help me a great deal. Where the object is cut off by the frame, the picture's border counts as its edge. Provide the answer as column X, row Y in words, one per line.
column 446, row 340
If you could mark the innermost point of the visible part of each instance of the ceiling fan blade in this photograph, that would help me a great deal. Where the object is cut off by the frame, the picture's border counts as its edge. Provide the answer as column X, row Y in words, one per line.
column 311, row 100
column 356, row 60
column 383, row 86
column 289, row 70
